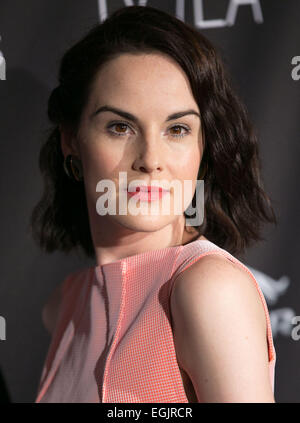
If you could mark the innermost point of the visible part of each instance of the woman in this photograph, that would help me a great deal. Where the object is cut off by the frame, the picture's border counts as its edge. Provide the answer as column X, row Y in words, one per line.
column 146, row 96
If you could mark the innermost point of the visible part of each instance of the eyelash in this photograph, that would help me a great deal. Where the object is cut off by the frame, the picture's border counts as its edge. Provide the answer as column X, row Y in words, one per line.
column 122, row 123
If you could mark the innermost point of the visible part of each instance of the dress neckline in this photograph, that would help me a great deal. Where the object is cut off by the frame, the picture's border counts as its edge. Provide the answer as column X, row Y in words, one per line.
column 128, row 260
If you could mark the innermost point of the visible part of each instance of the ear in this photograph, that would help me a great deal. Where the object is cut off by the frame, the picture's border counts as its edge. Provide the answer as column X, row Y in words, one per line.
column 68, row 142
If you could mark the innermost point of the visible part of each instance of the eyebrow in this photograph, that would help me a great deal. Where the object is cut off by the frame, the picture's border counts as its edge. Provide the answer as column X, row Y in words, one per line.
column 133, row 118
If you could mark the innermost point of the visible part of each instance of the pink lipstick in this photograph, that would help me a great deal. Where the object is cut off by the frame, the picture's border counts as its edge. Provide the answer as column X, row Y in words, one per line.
column 148, row 193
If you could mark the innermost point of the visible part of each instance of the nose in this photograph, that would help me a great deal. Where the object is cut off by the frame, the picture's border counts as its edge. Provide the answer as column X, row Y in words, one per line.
column 149, row 157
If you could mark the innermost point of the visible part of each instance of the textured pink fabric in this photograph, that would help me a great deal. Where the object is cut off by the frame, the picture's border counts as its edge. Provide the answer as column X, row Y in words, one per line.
column 113, row 339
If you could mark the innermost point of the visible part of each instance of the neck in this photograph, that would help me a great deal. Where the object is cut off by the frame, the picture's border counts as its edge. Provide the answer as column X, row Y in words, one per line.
column 115, row 242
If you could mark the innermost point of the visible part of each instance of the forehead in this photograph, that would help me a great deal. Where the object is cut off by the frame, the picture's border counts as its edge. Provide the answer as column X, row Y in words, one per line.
column 147, row 76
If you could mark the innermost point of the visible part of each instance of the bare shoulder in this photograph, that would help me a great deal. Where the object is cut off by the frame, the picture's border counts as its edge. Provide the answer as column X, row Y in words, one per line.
column 215, row 285
column 219, row 325
column 214, row 275
column 51, row 309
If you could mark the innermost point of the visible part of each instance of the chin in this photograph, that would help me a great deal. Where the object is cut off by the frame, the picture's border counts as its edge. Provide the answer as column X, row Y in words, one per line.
column 141, row 223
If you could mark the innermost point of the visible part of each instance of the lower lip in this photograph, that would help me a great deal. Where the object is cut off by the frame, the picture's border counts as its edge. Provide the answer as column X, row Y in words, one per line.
column 148, row 195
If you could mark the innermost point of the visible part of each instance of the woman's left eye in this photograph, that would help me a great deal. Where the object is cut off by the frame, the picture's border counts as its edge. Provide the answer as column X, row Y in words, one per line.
column 179, row 127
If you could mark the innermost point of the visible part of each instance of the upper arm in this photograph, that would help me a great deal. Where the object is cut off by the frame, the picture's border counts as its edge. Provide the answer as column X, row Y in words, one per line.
column 220, row 332
column 51, row 309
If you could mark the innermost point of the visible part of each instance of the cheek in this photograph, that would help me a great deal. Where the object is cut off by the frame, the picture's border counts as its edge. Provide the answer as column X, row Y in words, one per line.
column 187, row 166
column 99, row 165
column 100, row 161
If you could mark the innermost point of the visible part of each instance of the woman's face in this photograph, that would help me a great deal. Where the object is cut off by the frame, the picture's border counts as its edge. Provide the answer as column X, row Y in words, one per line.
column 146, row 145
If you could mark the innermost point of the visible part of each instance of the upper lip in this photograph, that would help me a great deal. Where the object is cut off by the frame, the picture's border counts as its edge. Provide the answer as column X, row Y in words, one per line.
column 151, row 188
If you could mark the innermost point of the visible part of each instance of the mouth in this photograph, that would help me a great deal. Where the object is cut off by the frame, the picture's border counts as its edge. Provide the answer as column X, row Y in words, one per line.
column 148, row 193
column 149, row 188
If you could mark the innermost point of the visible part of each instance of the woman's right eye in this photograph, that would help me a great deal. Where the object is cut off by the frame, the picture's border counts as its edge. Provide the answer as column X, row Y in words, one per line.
column 119, row 125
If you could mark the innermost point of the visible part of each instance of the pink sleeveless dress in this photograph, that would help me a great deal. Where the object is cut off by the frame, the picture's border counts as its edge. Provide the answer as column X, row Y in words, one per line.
column 113, row 339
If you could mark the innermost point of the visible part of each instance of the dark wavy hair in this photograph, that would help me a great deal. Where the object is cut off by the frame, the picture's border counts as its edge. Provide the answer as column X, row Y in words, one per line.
column 236, row 204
